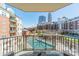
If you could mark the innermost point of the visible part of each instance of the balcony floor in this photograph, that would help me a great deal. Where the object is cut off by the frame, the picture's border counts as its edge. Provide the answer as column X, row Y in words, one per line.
column 39, row 53
column 23, row 53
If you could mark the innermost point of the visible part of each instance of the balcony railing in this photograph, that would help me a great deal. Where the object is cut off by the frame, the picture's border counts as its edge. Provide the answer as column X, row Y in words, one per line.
column 12, row 31
column 63, row 44
column 12, row 19
column 12, row 25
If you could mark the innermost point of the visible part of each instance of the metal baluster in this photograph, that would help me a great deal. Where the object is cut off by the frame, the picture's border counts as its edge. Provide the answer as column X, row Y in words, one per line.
column 55, row 42
column 18, row 43
column 3, row 46
column 23, row 42
column 59, row 43
column 33, row 42
column 74, row 46
column 15, row 45
column 63, row 42
column 7, row 46
column 12, row 42
column 68, row 45
column 78, row 47
column 71, row 45
column 26, row 42
column 52, row 42
column 45, row 44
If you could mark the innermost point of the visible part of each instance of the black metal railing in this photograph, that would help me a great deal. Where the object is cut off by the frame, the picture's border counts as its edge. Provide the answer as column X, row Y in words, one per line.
column 61, row 43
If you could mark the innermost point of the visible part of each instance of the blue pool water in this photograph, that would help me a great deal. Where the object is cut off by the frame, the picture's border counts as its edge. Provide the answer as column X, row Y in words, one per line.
column 37, row 44
column 72, row 36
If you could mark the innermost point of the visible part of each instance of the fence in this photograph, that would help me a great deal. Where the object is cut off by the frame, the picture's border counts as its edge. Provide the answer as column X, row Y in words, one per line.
column 64, row 44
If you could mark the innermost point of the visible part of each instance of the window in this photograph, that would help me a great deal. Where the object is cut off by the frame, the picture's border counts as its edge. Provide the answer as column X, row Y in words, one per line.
column 3, row 13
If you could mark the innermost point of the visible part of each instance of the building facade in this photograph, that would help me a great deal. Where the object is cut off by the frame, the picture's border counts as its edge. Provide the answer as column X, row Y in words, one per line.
column 70, row 25
column 10, row 24
column 19, row 26
column 13, row 26
column 4, row 23
column 49, row 17
column 49, row 25
column 42, row 19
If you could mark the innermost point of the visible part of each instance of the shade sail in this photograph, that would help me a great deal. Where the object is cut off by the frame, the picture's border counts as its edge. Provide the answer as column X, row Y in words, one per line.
column 39, row 7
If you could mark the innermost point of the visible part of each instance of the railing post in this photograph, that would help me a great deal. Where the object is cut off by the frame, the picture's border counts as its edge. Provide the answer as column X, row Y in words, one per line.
column 52, row 42
column 24, row 42
column 74, row 47
column 68, row 45
column 45, row 44
column 17, row 44
column 3, row 46
column 56, row 42
column 78, row 47
column 63, row 43
column 71, row 45
column 33, row 42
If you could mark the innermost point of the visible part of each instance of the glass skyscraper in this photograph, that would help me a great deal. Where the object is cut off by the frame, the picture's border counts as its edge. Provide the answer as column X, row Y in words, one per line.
column 49, row 17
column 42, row 19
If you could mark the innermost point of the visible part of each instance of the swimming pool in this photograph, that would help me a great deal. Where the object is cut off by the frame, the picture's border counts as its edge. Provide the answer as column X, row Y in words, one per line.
column 37, row 44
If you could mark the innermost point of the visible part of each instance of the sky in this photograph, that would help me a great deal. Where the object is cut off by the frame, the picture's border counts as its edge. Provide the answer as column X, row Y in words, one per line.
column 31, row 18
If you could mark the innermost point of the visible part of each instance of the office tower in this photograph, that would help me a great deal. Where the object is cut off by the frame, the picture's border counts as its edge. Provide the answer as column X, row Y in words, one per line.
column 42, row 19
column 49, row 17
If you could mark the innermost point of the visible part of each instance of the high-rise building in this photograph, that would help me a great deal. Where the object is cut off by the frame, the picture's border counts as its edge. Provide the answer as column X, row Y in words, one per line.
column 42, row 19
column 49, row 17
